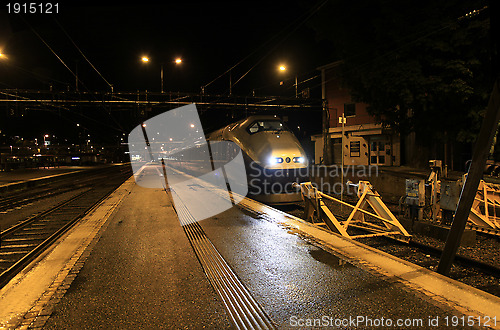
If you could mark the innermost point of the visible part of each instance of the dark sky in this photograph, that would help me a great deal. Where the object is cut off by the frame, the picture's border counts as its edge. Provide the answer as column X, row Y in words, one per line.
column 210, row 38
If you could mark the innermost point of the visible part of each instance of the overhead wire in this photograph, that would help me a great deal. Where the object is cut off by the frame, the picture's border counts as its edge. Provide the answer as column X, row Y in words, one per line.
column 314, row 9
column 48, row 46
column 83, row 55
column 108, row 111
column 76, row 77
column 282, row 40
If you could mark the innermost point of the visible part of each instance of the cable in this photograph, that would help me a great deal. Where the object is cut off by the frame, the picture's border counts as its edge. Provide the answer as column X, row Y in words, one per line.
column 120, row 128
column 315, row 9
column 83, row 55
column 282, row 40
column 46, row 44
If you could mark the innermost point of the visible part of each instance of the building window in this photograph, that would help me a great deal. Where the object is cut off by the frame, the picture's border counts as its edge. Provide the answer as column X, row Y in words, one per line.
column 355, row 149
column 349, row 109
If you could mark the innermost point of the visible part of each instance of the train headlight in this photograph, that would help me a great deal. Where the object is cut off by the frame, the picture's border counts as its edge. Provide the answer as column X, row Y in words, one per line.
column 298, row 160
column 275, row 160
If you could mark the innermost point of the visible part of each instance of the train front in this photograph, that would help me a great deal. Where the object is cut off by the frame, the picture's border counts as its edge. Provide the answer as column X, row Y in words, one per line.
column 274, row 160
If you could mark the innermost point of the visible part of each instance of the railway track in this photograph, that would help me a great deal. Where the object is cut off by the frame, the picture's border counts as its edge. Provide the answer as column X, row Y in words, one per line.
column 23, row 242
column 482, row 275
column 58, row 187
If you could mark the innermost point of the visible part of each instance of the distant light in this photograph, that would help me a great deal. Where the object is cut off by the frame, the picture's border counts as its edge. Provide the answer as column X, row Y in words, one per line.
column 145, row 59
column 46, row 135
column 282, row 68
column 78, row 125
column 178, row 60
column 192, row 125
column 170, row 139
column 143, row 125
column 75, row 158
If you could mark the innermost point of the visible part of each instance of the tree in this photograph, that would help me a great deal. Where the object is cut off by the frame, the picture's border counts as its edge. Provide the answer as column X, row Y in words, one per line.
column 422, row 66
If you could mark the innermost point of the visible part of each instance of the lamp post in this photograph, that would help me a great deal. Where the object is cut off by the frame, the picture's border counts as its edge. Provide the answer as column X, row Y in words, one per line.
column 177, row 61
column 283, row 68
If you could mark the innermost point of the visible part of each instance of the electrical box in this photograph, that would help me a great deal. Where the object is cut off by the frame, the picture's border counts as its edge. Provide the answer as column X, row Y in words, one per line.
column 415, row 192
column 450, row 194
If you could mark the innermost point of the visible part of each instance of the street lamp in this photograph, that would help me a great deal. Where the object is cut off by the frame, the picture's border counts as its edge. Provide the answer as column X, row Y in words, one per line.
column 283, row 68
column 177, row 61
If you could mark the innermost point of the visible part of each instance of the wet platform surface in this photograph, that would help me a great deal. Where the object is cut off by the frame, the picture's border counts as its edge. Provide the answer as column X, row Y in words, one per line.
column 143, row 273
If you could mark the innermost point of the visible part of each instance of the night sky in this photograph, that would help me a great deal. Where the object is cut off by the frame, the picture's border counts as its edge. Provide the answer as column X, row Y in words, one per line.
column 209, row 37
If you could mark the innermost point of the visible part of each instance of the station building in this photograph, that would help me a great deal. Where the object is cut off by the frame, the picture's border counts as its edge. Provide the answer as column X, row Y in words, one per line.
column 365, row 142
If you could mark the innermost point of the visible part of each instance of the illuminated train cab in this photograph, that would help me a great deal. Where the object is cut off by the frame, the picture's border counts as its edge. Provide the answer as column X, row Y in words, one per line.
column 274, row 158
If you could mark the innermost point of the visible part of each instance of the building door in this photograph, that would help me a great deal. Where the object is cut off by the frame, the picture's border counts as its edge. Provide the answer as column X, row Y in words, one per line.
column 380, row 151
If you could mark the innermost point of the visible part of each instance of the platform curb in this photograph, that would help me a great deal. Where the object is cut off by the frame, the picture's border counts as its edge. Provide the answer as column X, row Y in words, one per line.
column 40, row 312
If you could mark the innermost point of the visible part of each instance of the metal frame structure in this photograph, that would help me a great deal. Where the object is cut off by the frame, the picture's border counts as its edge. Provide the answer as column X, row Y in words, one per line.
column 483, row 213
column 119, row 100
column 318, row 213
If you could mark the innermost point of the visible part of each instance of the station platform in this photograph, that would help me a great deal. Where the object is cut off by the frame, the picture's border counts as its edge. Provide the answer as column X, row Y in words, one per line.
column 129, row 264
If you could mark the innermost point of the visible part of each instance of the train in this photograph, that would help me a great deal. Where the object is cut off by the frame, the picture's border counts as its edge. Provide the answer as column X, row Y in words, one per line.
column 274, row 158
column 262, row 145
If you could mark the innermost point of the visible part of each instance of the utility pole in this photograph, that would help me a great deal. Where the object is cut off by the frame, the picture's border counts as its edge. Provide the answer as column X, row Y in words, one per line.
column 481, row 152
column 161, row 77
column 296, row 88
column 326, row 122
column 76, row 76
column 342, row 162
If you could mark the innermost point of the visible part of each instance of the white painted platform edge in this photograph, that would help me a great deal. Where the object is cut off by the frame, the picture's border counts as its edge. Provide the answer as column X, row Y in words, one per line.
column 32, row 285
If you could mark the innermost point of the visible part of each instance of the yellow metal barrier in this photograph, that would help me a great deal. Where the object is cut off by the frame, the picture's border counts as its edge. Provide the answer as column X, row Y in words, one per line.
column 318, row 213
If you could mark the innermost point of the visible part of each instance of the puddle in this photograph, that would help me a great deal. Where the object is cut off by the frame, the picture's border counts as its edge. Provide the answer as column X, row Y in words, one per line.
column 328, row 258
